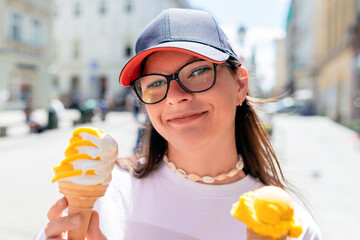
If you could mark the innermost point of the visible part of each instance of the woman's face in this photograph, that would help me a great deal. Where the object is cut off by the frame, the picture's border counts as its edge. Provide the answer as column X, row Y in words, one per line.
column 195, row 120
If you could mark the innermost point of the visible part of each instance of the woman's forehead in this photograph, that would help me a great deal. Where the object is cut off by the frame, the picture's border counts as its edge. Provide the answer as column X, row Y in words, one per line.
column 170, row 56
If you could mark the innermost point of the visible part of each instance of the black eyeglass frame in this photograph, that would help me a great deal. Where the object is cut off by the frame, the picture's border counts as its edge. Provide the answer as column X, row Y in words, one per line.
column 175, row 77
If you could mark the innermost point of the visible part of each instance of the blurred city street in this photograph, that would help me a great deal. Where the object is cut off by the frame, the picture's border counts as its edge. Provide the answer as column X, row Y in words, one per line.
column 322, row 159
column 319, row 156
column 26, row 164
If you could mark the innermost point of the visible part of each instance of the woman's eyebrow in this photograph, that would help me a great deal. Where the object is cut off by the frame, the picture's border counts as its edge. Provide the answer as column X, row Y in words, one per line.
column 193, row 58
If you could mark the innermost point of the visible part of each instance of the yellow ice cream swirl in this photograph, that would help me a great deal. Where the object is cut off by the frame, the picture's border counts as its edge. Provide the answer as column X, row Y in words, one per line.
column 89, row 158
column 268, row 211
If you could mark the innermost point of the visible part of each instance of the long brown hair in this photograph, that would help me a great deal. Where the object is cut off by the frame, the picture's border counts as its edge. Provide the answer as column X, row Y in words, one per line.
column 252, row 143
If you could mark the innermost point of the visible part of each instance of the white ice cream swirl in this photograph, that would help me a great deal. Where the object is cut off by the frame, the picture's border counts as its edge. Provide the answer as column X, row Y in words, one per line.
column 105, row 149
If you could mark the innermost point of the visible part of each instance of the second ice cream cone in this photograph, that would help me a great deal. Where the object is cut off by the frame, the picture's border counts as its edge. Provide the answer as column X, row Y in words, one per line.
column 251, row 235
column 81, row 199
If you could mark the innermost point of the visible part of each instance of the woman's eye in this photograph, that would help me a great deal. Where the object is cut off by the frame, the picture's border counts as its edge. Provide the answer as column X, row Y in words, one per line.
column 159, row 83
column 199, row 71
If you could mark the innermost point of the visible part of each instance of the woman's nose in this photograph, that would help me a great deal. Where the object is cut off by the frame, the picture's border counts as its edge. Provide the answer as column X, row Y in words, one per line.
column 177, row 94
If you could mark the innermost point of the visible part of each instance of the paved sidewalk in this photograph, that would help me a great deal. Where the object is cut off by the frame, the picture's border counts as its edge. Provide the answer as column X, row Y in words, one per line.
column 323, row 159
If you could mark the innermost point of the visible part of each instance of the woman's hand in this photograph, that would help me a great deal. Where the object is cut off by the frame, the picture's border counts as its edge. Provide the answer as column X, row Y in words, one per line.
column 94, row 232
column 58, row 224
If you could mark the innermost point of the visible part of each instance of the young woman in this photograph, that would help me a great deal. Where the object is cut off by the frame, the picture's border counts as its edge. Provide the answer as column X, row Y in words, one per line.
column 205, row 145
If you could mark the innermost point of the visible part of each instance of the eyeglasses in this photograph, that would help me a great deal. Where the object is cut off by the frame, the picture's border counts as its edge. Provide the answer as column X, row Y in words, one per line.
column 194, row 77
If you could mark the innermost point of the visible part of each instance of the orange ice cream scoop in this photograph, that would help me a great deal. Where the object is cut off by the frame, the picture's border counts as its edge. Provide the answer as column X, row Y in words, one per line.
column 268, row 211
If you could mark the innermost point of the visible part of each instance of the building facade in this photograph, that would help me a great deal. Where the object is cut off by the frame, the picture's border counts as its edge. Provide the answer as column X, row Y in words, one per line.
column 92, row 41
column 301, row 52
column 281, row 80
column 335, row 83
column 320, row 55
column 25, row 29
column 356, row 69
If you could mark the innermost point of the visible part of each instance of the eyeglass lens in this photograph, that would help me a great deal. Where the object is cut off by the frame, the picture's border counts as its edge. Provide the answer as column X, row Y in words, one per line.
column 197, row 76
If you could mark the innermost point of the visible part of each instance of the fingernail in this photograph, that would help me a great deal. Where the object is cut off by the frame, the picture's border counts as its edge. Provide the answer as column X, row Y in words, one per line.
column 75, row 219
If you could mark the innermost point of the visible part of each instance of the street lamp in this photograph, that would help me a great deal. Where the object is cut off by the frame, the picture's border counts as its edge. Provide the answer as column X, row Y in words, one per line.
column 241, row 34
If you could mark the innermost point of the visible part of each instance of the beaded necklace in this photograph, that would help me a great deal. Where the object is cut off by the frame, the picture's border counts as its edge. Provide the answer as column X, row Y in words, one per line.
column 206, row 179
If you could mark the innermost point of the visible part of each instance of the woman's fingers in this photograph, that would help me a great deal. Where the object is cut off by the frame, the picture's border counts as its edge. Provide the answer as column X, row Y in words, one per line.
column 94, row 231
column 57, row 209
column 58, row 225
column 55, row 228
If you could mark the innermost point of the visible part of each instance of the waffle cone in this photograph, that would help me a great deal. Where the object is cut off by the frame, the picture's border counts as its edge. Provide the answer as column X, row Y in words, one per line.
column 81, row 199
column 251, row 235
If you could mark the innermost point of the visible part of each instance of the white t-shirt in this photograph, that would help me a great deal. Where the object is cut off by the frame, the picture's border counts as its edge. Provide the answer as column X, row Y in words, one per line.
column 166, row 206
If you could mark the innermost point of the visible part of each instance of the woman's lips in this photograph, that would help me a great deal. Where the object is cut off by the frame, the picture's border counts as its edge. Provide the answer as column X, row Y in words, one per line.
column 186, row 118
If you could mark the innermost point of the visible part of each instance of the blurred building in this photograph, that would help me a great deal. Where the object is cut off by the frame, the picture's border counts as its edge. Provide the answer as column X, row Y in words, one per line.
column 301, row 52
column 25, row 28
column 256, row 78
column 281, row 83
column 356, row 68
column 93, row 39
column 335, row 74
column 319, row 55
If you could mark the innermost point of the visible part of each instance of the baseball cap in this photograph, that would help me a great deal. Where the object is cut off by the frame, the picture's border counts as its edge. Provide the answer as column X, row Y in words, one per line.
column 188, row 31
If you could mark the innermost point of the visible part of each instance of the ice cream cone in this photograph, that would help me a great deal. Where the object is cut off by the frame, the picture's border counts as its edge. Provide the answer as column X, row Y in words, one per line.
column 251, row 235
column 81, row 199
column 85, row 173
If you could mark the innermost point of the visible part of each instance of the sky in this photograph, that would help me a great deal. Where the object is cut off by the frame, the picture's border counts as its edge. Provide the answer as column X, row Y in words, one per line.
column 264, row 21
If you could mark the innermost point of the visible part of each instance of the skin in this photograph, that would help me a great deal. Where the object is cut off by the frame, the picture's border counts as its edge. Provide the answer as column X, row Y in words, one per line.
column 199, row 128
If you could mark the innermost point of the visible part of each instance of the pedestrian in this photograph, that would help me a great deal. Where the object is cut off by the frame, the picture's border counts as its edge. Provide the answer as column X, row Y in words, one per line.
column 205, row 145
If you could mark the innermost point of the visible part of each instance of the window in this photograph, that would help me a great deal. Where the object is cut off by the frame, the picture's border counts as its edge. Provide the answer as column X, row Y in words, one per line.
column 16, row 27
column 55, row 82
column 74, row 92
column 55, row 10
column 129, row 7
column 75, row 83
column 55, row 50
column 358, row 72
column 128, row 51
column 77, row 9
column 103, row 7
column 36, row 33
column 25, row 91
column 76, row 49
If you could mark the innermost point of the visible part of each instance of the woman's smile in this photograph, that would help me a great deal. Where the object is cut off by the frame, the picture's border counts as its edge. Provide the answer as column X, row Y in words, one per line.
column 185, row 118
